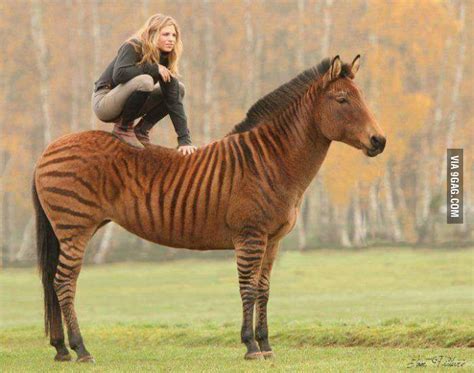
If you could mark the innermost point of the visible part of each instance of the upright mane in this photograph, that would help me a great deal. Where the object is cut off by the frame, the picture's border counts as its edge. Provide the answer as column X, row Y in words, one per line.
column 276, row 101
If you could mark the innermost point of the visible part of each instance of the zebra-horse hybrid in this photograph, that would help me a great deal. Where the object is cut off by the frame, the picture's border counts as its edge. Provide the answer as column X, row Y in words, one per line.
column 240, row 193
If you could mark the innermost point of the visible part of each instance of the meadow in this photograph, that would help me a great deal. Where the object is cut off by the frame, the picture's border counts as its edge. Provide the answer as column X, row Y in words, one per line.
column 381, row 309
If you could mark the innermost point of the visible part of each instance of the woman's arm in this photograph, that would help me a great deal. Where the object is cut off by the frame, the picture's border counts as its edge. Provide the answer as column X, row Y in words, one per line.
column 126, row 68
column 176, row 109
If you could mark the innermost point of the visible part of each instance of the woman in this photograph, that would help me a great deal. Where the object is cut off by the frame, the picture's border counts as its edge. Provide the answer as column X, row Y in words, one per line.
column 141, row 82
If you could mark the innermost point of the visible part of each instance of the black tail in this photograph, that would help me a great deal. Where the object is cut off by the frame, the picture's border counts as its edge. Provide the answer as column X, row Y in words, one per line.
column 47, row 246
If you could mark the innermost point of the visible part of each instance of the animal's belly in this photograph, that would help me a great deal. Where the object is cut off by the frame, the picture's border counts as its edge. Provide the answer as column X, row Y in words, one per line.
column 210, row 236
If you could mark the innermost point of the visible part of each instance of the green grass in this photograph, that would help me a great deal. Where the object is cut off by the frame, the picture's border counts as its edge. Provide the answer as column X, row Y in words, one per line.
column 369, row 310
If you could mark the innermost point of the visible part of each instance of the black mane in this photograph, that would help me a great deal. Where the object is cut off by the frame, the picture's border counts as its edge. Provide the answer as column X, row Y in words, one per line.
column 277, row 100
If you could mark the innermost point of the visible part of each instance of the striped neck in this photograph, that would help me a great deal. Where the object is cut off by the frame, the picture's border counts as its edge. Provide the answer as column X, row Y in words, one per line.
column 301, row 144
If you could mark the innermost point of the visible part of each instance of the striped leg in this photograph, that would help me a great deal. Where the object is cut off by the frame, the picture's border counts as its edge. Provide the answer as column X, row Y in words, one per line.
column 56, row 338
column 249, row 249
column 261, row 330
column 69, row 266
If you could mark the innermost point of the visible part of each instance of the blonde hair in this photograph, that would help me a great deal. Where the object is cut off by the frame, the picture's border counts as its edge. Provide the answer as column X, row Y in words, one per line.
column 145, row 41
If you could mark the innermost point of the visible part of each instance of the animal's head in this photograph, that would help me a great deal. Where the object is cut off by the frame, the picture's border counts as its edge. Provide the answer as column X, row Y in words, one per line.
column 341, row 111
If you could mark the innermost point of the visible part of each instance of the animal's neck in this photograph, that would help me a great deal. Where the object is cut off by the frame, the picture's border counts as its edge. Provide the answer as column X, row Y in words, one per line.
column 304, row 147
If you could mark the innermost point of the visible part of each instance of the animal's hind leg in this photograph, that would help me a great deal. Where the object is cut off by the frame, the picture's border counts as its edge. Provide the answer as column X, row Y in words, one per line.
column 69, row 266
column 56, row 339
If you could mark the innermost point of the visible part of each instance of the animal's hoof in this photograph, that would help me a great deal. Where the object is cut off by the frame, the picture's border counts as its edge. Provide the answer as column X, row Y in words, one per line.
column 86, row 359
column 268, row 354
column 253, row 356
column 59, row 357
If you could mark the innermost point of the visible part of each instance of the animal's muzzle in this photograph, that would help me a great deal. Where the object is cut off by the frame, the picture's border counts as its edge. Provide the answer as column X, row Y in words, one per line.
column 378, row 145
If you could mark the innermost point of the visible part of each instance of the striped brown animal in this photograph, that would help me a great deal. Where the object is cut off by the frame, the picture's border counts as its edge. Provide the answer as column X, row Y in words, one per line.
column 242, row 192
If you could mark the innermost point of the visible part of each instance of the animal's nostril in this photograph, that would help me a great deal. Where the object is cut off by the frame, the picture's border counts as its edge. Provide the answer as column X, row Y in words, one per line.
column 378, row 142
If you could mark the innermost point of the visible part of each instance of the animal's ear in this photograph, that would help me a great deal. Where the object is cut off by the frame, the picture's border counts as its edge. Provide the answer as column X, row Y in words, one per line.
column 355, row 65
column 334, row 71
column 336, row 67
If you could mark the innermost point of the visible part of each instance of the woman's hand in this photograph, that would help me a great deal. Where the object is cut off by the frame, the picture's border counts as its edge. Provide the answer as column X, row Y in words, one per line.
column 187, row 149
column 165, row 73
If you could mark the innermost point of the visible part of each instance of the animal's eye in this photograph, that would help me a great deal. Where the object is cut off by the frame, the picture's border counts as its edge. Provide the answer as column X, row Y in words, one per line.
column 341, row 99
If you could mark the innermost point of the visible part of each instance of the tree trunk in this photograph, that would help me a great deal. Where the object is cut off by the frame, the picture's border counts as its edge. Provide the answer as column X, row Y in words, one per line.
column 359, row 237
column 250, row 54
column 96, row 37
column 41, row 54
column 146, row 9
column 105, row 244
column 340, row 219
column 208, row 71
column 458, row 78
column 300, row 55
column 327, row 24
column 26, row 246
column 74, row 47
column 393, row 227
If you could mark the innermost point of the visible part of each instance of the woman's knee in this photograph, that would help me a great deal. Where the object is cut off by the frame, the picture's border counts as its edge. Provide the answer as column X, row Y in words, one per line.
column 142, row 82
column 181, row 90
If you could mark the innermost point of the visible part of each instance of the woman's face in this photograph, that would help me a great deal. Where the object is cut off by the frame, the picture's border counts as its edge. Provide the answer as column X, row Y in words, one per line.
column 167, row 39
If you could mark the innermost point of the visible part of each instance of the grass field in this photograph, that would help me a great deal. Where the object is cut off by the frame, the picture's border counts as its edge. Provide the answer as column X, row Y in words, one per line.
column 370, row 310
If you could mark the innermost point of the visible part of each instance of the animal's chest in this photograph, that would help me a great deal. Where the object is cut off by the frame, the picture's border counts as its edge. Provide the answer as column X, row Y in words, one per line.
column 283, row 227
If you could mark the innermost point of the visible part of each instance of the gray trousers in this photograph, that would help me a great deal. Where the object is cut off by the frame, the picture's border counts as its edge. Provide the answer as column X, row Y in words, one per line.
column 108, row 103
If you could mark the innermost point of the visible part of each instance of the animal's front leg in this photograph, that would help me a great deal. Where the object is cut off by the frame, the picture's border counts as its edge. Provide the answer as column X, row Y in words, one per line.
column 249, row 250
column 261, row 329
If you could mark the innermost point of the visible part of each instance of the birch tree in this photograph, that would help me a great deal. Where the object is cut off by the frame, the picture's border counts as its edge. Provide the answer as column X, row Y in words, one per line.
column 41, row 56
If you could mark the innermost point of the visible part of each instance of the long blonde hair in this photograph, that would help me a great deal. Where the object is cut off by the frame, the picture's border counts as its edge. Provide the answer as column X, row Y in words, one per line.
column 146, row 38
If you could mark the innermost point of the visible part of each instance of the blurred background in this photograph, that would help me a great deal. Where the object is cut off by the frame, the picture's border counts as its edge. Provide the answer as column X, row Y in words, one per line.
column 416, row 74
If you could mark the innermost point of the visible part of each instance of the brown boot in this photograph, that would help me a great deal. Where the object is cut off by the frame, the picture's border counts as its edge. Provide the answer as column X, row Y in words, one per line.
column 142, row 131
column 124, row 131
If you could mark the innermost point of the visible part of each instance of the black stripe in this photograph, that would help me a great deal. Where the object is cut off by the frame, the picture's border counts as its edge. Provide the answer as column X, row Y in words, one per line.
column 252, row 251
column 117, row 173
column 282, row 127
column 235, row 145
column 251, row 229
column 204, row 166
column 274, row 136
column 69, row 226
column 261, row 208
column 246, row 265
column 69, row 211
column 137, row 213
column 265, row 138
column 176, row 172
column 66, row 300
column 67, row 239
column 59, row 287
column 184, row 203
column 56, row 151
column 230, row 151
column 125, row 166
column 70, row 193
column 220, row 174
column 177, row 191
column 161, row 194
column 62, row 159
column 65, row 266
column 255, row 242
column 61, row 273
column 62, row 293
column 74, row 176
column 248, row 156
column 207, row 193
column 250, row 259
column 62, row 253
column 261, row 155
column 148, row 199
